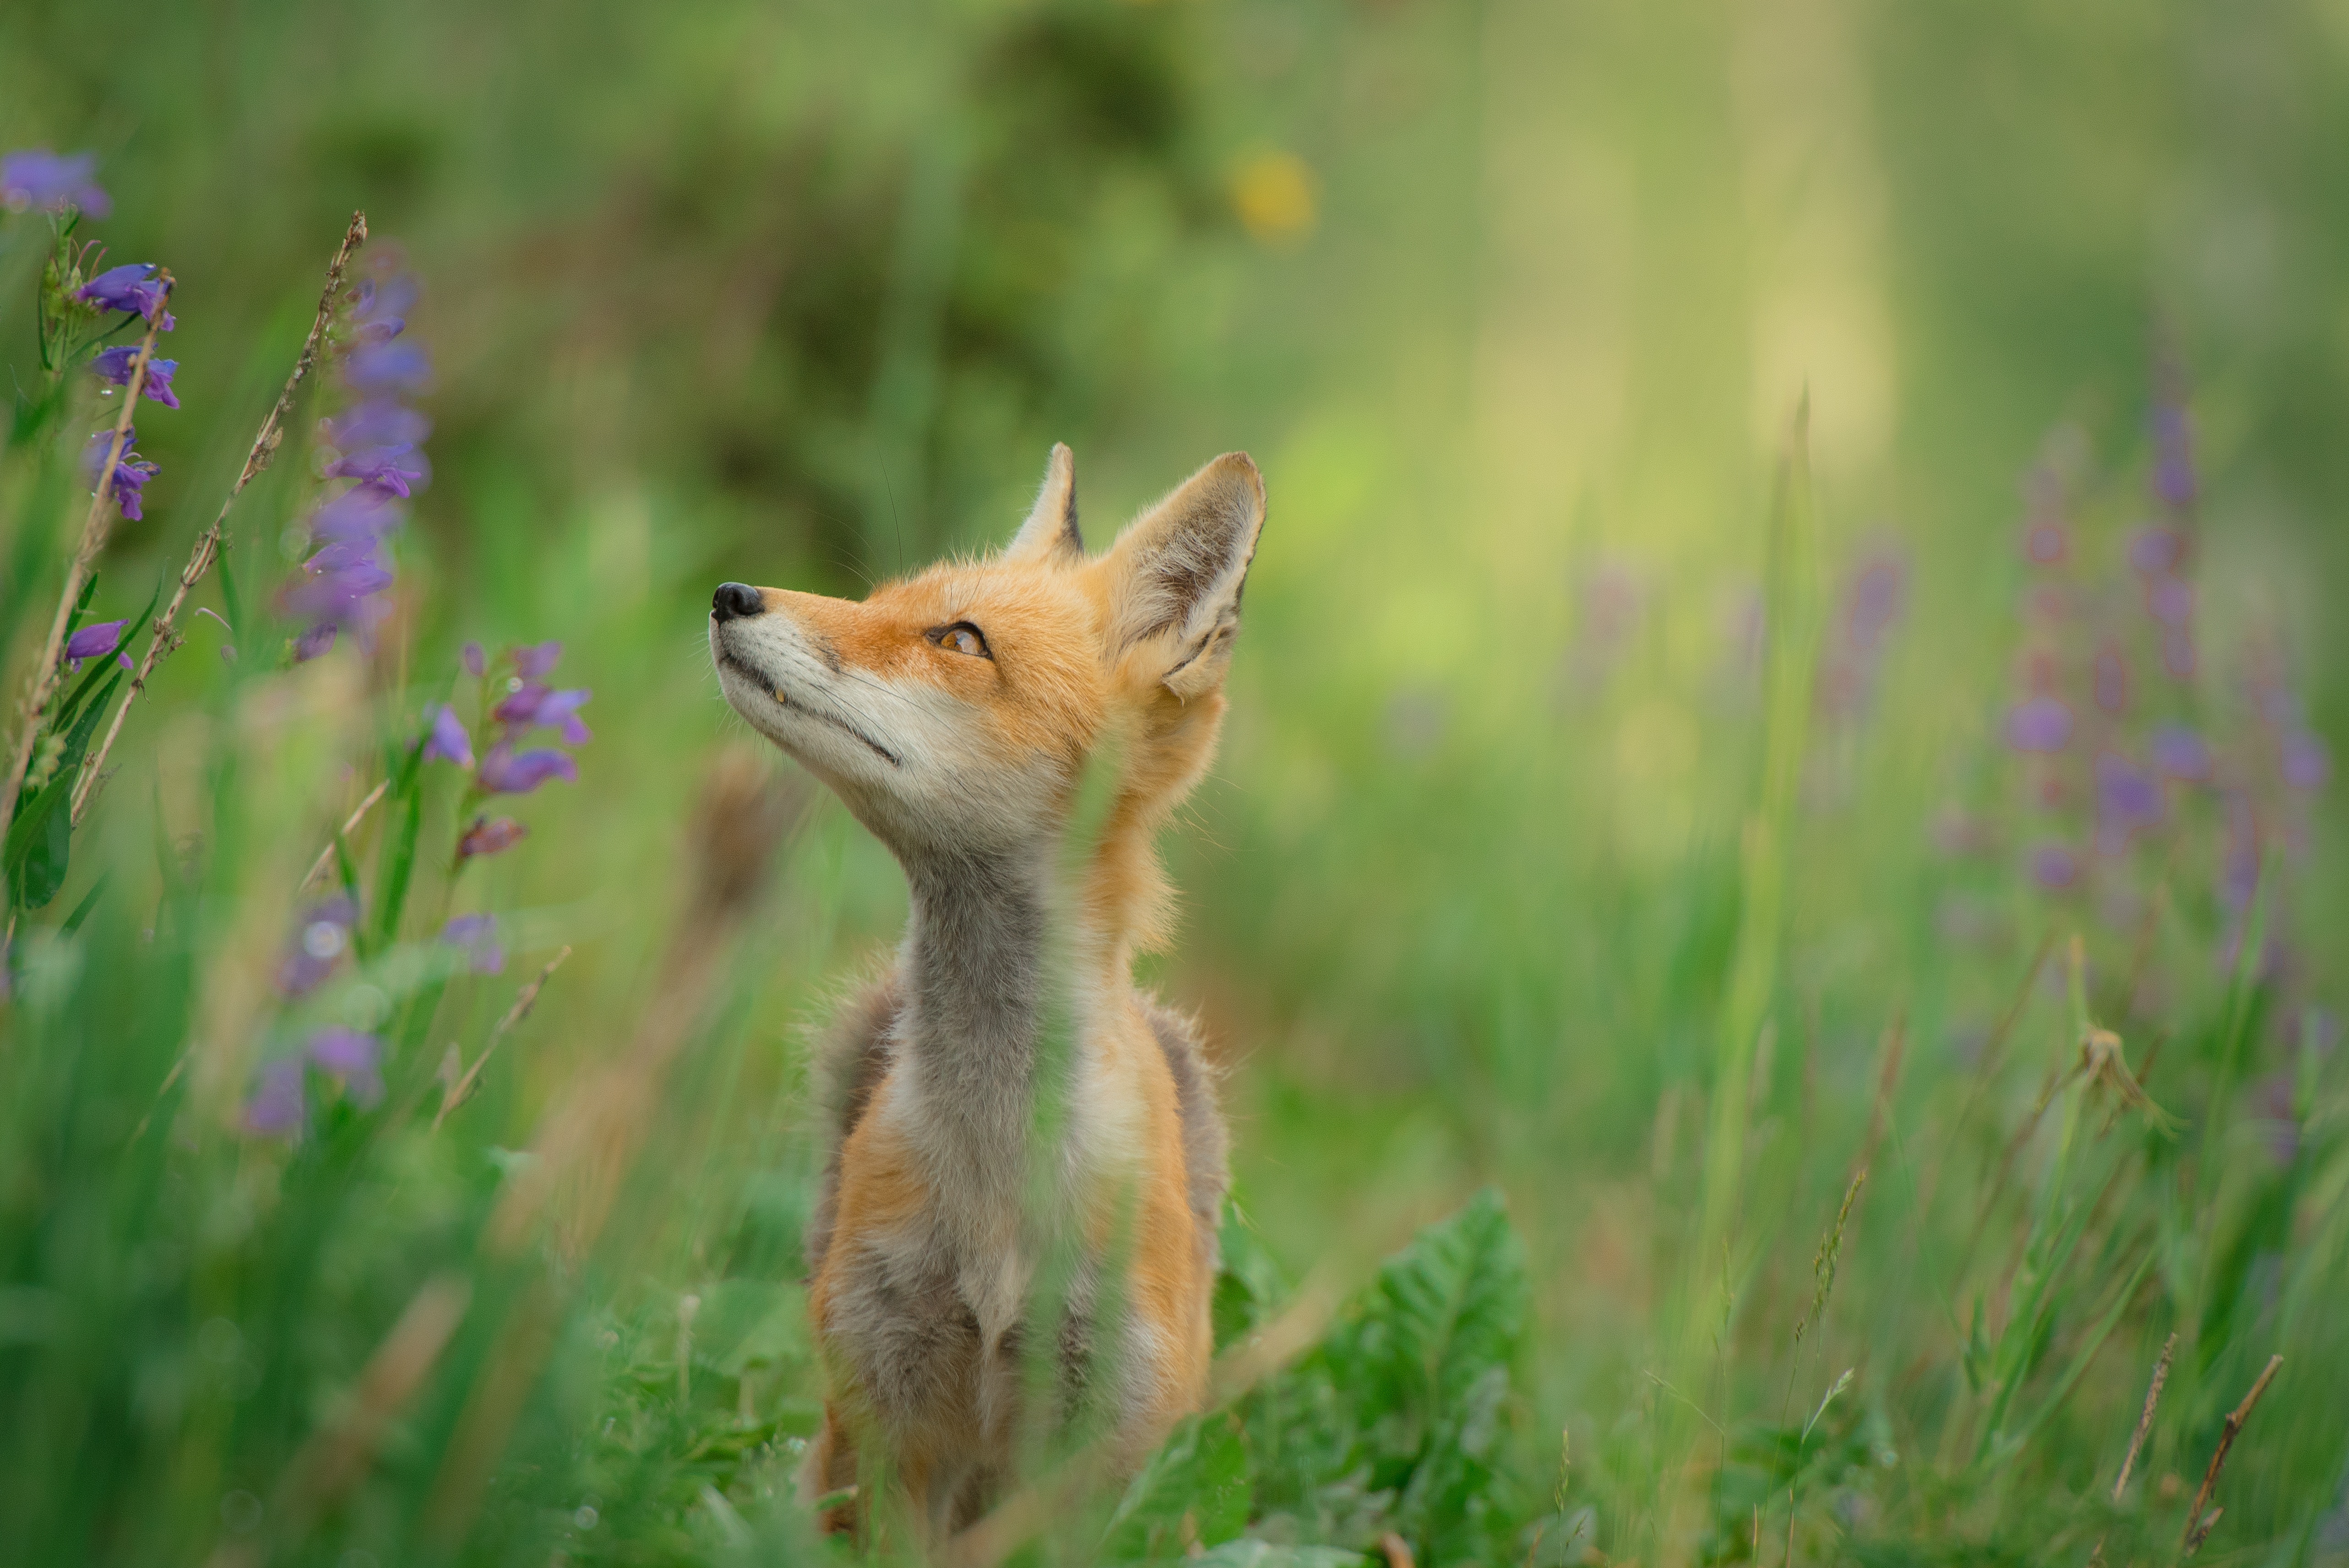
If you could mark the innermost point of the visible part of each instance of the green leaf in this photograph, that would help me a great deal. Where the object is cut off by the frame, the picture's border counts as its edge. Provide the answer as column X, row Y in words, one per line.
column 40, row 842
column 1445, row 1310
column 1199, row 1475
column 1251, row 1554
column 89, row 902
column 399, row 859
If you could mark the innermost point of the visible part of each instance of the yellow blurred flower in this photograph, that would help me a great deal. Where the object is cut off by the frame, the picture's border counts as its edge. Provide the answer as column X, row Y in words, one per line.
column 1277, row 197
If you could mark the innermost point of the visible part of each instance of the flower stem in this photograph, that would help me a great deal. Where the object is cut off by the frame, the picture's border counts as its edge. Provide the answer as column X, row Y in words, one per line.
column 95, row 527
column 210, row 543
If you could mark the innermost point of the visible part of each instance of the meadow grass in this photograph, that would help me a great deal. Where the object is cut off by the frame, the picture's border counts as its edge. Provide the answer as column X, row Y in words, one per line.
column 1682, row 1114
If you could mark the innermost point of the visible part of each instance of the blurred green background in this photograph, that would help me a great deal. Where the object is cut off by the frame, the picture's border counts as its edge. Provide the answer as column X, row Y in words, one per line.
column 1514, row 304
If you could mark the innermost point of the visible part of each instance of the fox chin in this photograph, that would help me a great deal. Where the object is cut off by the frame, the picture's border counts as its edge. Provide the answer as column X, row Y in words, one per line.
column 953, row 712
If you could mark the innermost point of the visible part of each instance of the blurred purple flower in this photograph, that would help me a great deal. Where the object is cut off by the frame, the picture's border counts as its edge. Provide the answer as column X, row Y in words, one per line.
column 380, row 306
column 505, row 771
column 131, row 471
column 2173, row 449
column 2170, row 601
column 2129, row 801
column 361, row 512
column 2179, row 753
column 353, row 1057
column 334, row 592
column 95, row 643
column 377, row 422
column 475, row 664
column 2157, row 551
column 490, row 836
column 320, row 939
column 394, row 469
column 534, row 660
column 317, row 641
column 388, row 367
column 276, row 1109
column 477, row 936
column 135, row 286
column 1878, row 592
column 535, row 705
column 2178, row 652
column 2111, row 681
column 2307, row 764
column 114, row 364
column 447, row 741
column 2046, row 543
column 2239, row 870
column 2055, row 867
column 37, row 178
column 2039, row 724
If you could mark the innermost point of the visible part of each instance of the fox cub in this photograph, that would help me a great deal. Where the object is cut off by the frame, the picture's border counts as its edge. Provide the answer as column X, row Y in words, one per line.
column 953, row 712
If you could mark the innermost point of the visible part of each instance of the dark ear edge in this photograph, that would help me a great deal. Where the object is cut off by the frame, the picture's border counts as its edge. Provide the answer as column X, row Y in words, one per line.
column 1177, row 573
column 1051, row 526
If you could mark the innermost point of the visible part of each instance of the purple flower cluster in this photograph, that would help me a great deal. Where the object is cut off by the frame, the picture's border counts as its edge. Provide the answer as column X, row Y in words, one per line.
column 138, row 288
column 114, row 364
column 46, row 182
column 131, row 471
column 373, row 445
column 277, row 1108
column 530, row 702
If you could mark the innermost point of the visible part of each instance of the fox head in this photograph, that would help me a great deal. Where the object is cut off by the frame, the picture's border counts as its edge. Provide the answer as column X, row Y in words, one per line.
column 953, row 710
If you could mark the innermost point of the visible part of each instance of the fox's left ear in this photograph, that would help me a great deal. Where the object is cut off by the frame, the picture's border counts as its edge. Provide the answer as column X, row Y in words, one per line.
column 1051, row 530
column 1174, row 578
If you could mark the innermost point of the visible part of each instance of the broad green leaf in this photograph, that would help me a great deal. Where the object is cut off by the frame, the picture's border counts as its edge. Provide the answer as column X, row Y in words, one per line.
column 1196, row 1488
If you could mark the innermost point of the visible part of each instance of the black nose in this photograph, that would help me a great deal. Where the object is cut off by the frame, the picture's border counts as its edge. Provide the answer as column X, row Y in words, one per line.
column 734, row 600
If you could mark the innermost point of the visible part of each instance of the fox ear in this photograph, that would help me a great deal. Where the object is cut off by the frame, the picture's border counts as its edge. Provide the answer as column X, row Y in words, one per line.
column 1052, row 528
column 1174, row 576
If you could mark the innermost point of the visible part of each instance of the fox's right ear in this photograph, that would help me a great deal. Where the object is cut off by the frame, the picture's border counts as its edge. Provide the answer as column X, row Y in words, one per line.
column 1174, row 576
column 1051, row 530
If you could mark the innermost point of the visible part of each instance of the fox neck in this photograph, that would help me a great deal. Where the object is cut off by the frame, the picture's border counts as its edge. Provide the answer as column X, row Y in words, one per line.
column 976, row 985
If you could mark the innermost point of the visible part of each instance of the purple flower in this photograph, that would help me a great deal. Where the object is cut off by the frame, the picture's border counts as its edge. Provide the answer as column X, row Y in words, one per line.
column 536, row 659
column 335, row 591
column 2128, row 800
column 2039, row 724
column 276, row 1109
column 448, row 741
column 39, row 178
column 2157, row 551
column 2306, row 762
column 135, row 286
column 2179, row 753
column 505, row 771
column 2173, row 461
column 317, row 641
column 354, row 1058
column 321, row 938
column 2112, row 681
column 490, row 836
column 396, row 468
column 2178, row 652
column 131, row 471
column 2170, row 601
column 361, row 512
column 2055, row 867
column 380, row 311
column 114, row 366
column 377, row 422
column 534, row 706
column 95, row 643
column 2046, row 543
column 477, row 936
column 475, row 663
column 388, row 367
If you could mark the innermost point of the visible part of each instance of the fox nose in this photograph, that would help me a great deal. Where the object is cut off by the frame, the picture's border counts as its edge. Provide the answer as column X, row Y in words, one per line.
column 734, row 600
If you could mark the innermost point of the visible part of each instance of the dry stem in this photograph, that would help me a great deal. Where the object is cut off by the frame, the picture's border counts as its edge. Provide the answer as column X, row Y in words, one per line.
column 208, row 544
column 350, row 825
column 95, row 526
column 459, row 1092
column 2144, row 1422
column 2198, row 1528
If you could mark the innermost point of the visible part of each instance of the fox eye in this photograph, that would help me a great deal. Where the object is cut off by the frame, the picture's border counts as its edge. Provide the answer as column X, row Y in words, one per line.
column 962, row 637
